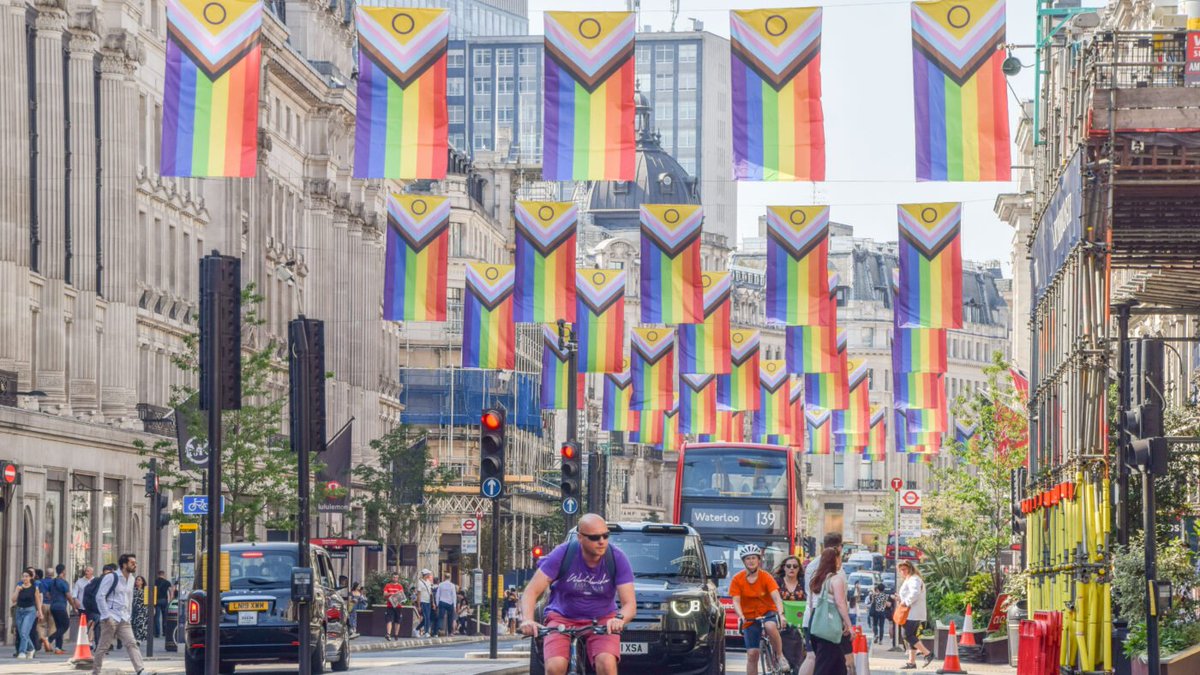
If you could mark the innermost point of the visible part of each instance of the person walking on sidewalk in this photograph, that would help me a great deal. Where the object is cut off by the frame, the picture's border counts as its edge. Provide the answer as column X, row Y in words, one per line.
column 447, row 593
column 140, row 616
column 162, row 600
column 28, row 600
column 912, row 607
column 114, row 596
column 877, row 603
column 425, row 603
column 60, row 594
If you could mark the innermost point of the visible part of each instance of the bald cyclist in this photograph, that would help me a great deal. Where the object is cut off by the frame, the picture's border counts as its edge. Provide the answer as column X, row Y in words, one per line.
column 586, row 578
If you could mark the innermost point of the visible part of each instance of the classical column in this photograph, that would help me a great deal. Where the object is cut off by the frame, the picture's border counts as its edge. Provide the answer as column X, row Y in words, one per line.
column 15, row 320
column 120, row 55
column 82, row 43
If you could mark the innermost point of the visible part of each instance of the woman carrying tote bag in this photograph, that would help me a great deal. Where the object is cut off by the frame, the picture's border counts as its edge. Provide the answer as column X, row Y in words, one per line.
column 829, row 625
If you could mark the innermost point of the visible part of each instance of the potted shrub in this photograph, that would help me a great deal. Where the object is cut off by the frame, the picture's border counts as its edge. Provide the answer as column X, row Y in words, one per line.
column 1179, row 624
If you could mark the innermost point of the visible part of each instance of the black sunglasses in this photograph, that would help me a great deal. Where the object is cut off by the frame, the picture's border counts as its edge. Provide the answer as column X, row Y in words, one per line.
column 791, row 566
column 595, row 537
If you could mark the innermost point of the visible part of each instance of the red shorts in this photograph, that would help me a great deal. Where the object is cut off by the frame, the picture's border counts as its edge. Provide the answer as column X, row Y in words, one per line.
column 558, row 646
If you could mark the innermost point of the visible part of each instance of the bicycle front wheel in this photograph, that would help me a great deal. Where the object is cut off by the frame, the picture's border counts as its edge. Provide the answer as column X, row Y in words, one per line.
column 768, row 660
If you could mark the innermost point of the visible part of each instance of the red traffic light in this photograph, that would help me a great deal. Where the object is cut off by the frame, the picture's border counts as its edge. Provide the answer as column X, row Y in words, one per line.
column 538, row 552
column 568, row 451
column 492, row 420
column 10, row 473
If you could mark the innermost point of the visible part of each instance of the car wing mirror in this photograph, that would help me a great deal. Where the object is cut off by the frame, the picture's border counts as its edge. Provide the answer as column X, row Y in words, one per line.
column 718, row 569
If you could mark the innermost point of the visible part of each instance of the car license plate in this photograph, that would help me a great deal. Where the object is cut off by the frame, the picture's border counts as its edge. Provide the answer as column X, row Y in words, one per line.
column 249, row 606
column 635, row 648
column 247, row 618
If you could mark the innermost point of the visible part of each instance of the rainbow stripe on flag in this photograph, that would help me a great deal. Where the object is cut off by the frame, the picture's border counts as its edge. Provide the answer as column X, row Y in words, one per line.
column 877, row 445
column 555, row 373
column 818, row 431
column 812, row 349
column 855, row 420
column 653, row 365
column 672, row 438
column 545, row 257
column 698, row 403
column 930, row 253
column 649, row 429
column 798, row 266
column 731, row 428
column 927, row 419
column 919, row 390
column 615, row 414
column 600, row 317
column 774, row 387
column 704, row 347
column 489, row 334
column 589, row 107
column 210, row 95
column 827, row 390
column 401, row 126
column 907, row 437
column 959, row 90
column 415, row 270
column 672, row 290
column 739, row 389
column 919, row 350
column 925, row 456
column 778, row 123
column 796, row 410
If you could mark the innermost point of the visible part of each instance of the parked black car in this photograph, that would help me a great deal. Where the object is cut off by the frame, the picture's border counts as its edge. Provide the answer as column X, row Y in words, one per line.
column 679, row 627
column 260, row 622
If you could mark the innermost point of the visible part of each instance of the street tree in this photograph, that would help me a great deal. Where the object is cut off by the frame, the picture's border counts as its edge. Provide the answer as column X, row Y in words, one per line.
column 394, row 487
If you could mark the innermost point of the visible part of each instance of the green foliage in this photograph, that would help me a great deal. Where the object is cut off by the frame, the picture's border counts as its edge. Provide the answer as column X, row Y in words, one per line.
column 400, row 458
column 376, row 580
column 1016, row 586
column 1174, row 635
column 980, row 593
column 258, row 467
column 1179, row 626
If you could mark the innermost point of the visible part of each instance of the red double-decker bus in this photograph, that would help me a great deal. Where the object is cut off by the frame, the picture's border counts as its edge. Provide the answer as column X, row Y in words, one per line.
column 740, row 493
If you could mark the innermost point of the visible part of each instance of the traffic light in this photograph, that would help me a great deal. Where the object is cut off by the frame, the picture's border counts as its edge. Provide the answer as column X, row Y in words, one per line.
column 810, row 547
column 1144, row 422
column 538, row 552
column 306, row 376
column 221, row 322
column 164, row 516
column 571, row 470
column 151, row 482
column 491, row 452
column 1017, row 500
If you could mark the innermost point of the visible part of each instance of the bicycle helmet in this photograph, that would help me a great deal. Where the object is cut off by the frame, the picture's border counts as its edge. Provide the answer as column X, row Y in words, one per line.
column 748, row 549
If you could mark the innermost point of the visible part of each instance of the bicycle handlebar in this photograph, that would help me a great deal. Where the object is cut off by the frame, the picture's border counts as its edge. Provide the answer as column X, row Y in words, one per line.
column 595, row 629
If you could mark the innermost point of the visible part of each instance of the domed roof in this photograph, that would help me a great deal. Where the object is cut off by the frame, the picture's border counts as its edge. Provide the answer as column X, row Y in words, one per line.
column 658, row 179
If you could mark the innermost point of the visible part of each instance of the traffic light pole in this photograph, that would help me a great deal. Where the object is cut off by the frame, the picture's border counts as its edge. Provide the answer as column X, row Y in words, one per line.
column 567, row 343
column 492, row 441
column 155, row 554
column 212, row 599
column 494, row 591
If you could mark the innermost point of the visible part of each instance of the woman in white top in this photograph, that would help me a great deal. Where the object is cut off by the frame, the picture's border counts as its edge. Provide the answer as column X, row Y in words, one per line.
column 912, row 596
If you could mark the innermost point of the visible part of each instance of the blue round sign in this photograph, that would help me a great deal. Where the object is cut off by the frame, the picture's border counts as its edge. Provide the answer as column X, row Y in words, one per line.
column 570, row 505
column 491, row 488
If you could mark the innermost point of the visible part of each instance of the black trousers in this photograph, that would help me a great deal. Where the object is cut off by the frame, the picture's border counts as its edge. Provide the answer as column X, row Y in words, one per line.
column 62, row 621
column 877, row 622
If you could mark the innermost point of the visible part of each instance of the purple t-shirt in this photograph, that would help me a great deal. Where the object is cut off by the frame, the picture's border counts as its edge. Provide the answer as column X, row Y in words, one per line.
column 583, row 592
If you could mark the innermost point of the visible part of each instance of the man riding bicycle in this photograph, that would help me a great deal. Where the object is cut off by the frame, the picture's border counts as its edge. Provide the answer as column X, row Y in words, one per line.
column 756, row 596
column 585, row 577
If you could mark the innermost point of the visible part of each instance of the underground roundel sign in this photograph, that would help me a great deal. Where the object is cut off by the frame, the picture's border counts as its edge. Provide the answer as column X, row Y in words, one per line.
column 910, row 498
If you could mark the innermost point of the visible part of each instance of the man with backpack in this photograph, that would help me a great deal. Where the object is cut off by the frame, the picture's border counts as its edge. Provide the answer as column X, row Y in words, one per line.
column 585, row 577
column 114, row 598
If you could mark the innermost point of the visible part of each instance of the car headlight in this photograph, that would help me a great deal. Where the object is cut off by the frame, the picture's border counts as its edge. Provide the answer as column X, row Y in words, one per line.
column 684, row 608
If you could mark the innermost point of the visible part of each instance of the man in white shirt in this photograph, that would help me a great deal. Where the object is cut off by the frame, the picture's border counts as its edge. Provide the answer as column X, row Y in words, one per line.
column 447, row 597
column 425, row 603
column 81, row 586
column 114, row 596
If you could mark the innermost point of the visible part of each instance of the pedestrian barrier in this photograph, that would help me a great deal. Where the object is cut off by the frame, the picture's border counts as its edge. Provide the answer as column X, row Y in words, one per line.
column 968, row 632
column 83, row 646
column 862, row 653
column 1040, row 644
column 951, row 664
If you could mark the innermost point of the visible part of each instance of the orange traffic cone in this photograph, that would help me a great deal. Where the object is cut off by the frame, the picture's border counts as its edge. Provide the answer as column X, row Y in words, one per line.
column 968, row 634
column 83, row 646
column 951, row 664
column 862, row 653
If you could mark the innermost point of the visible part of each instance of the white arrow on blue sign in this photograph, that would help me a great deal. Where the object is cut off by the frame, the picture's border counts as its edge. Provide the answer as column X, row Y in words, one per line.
column 197, row 505
column 570, row 505
column 491, row 488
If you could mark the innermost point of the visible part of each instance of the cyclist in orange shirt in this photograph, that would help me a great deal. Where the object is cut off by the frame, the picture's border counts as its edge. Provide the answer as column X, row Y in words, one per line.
column 756, row 596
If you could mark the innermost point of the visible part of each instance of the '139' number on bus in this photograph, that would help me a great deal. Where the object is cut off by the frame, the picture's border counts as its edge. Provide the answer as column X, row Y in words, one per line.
column 765, row 518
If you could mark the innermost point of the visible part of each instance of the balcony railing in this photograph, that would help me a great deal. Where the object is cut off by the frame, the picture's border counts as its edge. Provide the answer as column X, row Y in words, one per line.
column 870, row 484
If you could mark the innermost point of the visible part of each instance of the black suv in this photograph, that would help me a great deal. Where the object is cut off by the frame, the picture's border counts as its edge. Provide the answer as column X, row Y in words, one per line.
column 259, row 623
column 679, row 627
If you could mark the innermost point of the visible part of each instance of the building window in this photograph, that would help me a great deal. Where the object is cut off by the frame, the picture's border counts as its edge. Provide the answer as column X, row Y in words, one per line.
column 839, row 471
column 687, row 110
column 840, row 294
column 526, row 84
column 81, row 522
column 664, row 81
column 504, row 113
column 482, row 141
column 642, row 56
column 667, row 139
column 455, row 86
column 109, row 532
column 457, row 114
column 456, row 59
column 482, row 86
column 687, row 53
column 51, row 521
column 664, row 54
column 688, row 165
column 664, row 111
column 459, row 141
column 687, row 138
column 504, row 57
column 504, row 85
column 481, row 114
column 687, row 82
column 483, row 58
column 527, row 56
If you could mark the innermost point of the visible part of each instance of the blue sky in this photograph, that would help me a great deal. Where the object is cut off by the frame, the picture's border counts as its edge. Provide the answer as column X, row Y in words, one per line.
column 866, row 71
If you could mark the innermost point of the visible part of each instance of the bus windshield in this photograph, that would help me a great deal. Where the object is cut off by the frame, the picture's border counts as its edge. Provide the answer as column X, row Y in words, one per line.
column 718, row 472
